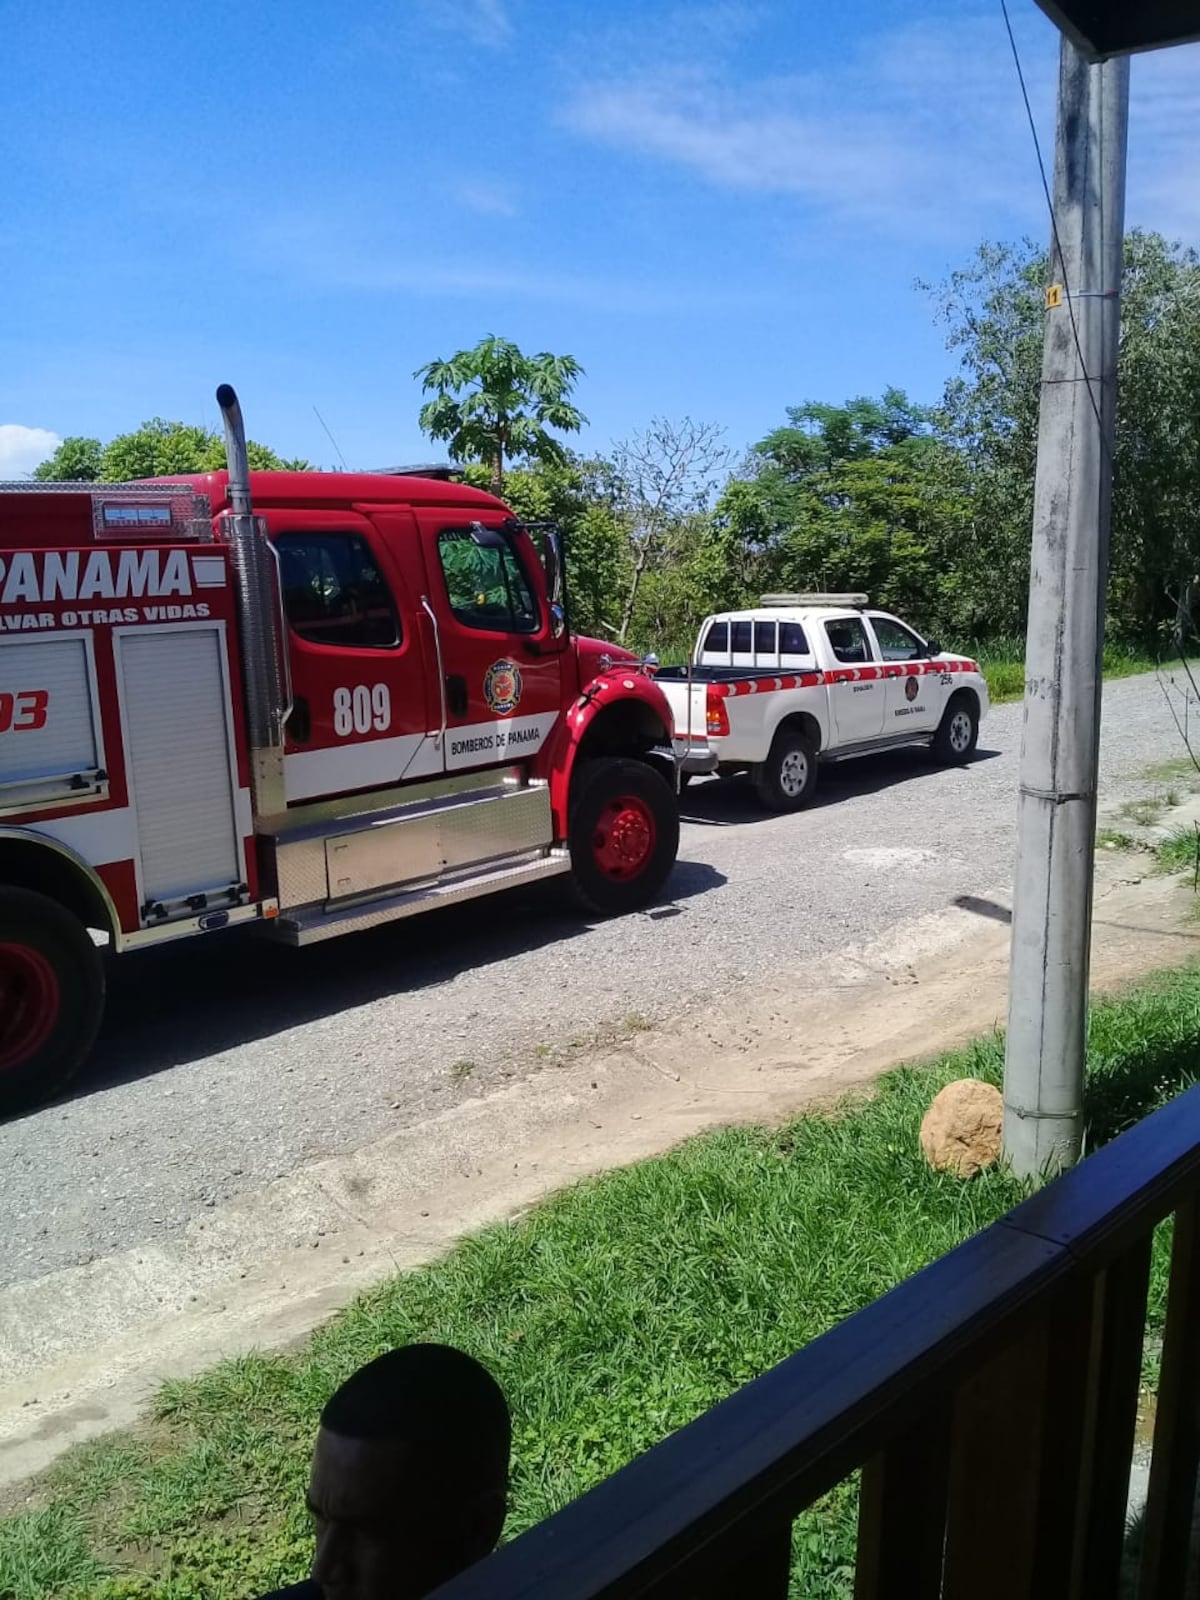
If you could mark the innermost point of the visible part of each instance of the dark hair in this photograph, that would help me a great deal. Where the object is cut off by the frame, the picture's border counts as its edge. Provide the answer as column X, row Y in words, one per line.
column 432, row 1396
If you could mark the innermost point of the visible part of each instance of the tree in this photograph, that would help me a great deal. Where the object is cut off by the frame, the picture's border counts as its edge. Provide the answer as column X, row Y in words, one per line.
column 75, row 461
column 574, row 494
column 989, row 417
column 157, row 449
column 994, row 310
column 862, row 496
column 661, row 484
column 819, row 436
column 494, row 404
column 885, row 525
column 1155, row 569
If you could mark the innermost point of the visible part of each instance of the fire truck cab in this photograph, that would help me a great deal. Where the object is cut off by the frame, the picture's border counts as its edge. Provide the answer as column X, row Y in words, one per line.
column 311, row 701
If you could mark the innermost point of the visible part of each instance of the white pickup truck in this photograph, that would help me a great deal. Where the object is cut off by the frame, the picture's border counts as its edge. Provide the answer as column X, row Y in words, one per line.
column 812, row 678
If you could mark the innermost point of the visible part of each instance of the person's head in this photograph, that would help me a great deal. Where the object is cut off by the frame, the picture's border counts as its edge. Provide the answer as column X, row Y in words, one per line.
column 409, row 1478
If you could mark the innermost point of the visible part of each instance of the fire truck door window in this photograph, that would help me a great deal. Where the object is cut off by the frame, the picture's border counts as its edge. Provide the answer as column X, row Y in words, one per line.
column 486, row 586
column 503, row 675
column 364, row 707
column 334, row 593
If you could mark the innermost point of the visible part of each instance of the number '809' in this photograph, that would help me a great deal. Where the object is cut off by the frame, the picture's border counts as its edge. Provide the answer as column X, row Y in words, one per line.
column 363, row 709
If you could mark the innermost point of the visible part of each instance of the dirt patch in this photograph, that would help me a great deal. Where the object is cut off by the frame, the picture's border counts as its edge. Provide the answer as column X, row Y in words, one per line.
column 82, row 1351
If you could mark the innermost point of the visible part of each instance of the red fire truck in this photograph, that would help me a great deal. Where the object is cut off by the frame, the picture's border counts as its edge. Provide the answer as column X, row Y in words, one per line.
column 311, row 701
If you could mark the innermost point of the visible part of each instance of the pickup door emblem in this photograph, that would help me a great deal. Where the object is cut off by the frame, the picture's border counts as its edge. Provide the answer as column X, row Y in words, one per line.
column 912, row 688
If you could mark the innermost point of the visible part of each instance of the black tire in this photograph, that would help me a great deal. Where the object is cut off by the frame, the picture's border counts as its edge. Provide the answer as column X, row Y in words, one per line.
column 958, row 731
column 786, row 780
column 51, row 998
column 624, row 835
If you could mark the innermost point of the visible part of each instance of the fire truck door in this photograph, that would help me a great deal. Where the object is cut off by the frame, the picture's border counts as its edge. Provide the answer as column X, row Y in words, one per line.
column 501, row 663
column 364, row 707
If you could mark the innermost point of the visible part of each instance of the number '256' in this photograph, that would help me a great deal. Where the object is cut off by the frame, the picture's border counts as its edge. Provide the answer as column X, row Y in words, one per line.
column 25, row 711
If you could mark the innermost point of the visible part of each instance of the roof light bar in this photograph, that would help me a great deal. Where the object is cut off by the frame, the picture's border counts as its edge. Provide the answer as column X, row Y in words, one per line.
column 850, row 600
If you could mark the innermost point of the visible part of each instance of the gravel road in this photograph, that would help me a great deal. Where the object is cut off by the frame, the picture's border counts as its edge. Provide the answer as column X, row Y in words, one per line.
column 227, row 1063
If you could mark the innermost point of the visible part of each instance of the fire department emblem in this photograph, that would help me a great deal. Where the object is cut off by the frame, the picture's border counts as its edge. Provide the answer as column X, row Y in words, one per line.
column 502, row 687
column 912, row 688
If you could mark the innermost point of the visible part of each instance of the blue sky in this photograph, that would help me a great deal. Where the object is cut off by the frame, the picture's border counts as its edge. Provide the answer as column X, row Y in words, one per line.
column 720, row 207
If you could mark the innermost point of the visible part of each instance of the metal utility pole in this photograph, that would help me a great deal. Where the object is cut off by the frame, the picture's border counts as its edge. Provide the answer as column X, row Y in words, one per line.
column 1056, row 818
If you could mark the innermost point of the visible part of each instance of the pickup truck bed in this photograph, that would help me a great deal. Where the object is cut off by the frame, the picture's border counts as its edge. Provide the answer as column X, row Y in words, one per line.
column 730, row 675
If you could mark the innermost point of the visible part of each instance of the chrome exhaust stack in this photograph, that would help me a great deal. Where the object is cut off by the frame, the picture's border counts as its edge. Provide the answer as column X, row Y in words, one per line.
column 261, row 623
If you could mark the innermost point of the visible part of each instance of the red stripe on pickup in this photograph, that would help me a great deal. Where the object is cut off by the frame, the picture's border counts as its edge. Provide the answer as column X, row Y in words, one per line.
column 813, row 680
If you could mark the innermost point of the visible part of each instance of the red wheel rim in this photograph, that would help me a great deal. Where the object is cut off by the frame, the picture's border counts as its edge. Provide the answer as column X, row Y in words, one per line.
column 624, row 837
column 29, row 1003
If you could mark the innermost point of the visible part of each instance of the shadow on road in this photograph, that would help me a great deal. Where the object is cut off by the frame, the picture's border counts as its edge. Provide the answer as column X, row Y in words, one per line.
column 729, row 802
column 179, row 1003
column 991, row 909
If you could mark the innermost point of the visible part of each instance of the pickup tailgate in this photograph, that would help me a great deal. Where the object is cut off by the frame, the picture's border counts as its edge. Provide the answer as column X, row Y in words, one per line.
column 687, row 699
column 725, row 714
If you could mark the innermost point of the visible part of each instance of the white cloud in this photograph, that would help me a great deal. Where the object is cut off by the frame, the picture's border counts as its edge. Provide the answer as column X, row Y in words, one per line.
column 1164, row 142
column 312, row 244
column 484, row 22
column 491, row 199
column 686, row 33
column 922, row 133
column 892, row 139
column 744, row 141
column 22, row 448
column 452, row 280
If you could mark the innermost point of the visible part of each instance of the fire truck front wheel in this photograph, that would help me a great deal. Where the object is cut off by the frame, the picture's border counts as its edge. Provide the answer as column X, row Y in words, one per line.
column 51, row 997
column 624, row 835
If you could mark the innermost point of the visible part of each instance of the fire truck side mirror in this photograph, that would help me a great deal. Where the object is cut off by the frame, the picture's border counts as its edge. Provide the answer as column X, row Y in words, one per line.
column 552, row 560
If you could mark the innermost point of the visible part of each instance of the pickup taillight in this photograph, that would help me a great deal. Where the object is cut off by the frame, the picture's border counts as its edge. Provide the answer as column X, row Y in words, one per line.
column 716, row 715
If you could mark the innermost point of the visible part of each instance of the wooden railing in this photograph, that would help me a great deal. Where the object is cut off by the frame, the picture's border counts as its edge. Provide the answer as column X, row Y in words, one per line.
column 990, row 1403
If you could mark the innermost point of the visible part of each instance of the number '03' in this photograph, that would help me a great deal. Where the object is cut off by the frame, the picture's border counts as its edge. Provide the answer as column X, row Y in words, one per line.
column 363, row 709
column 25, row 711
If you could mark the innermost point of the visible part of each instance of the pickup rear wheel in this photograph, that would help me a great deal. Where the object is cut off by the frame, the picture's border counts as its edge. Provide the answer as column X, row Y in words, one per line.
column 624, row 835
column 958, row 731
column 51, row 997
column 786, row 779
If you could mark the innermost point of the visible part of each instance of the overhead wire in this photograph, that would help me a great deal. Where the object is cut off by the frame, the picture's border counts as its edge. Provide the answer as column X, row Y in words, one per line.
column 1067, row 295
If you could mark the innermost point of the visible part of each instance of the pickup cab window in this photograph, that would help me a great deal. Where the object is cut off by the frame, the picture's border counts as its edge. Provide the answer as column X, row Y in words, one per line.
column 334, row 593
column 896, row 642
column 848, row 640
column 486, row 584
column 716, row 639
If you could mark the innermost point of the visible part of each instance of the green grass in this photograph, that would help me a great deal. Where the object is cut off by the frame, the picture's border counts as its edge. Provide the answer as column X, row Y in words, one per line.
column 1003, row 663
column 611, row 1315
column 46, row 1552
column 1181, row 769
column 1179, row 851
column 1113, row 839
column 1145, row 811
